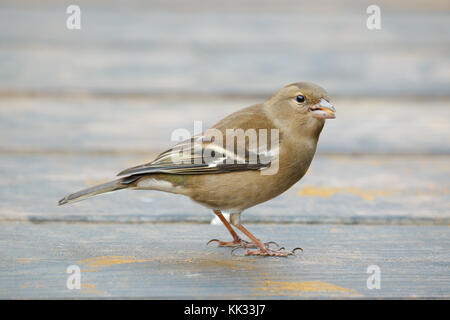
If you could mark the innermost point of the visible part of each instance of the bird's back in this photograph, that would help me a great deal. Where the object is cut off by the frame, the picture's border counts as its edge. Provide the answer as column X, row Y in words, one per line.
column 243, row 189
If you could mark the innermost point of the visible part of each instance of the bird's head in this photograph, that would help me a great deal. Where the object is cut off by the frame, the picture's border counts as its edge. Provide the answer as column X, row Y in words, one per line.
column 303, row 100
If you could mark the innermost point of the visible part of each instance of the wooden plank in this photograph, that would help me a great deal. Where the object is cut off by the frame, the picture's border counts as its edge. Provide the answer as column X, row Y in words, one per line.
column 337, row 189
column 76, row 107
column 145, row 124
column 235, row 48
column 172, row 261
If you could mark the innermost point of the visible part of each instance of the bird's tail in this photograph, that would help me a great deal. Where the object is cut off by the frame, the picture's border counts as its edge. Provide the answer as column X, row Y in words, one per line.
column 93, row 191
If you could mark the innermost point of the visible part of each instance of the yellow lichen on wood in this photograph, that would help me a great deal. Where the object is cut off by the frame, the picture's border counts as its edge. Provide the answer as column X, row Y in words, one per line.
column 292, row 287
column 91, row 288
column 106, row 261
column 326, row 192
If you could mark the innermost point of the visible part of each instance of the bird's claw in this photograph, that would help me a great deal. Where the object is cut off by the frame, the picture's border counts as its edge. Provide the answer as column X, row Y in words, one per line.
column 267, row 244
column 245, row 244
column 298, row 248
column 239, row 243
column 268, row 252
column 212, row 240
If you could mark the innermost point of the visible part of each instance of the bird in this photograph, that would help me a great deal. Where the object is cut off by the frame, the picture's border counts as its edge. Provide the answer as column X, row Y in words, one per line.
column 230, row 181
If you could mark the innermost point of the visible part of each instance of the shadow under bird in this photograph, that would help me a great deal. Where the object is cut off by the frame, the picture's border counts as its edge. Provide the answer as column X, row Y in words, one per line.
column 231, row 183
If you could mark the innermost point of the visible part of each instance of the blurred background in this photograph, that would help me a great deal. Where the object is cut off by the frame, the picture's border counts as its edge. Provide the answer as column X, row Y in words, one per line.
column 78, row 106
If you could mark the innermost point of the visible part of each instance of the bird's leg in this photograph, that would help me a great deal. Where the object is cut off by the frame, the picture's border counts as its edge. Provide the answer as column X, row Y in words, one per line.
column 237, row 241
column 263, row 250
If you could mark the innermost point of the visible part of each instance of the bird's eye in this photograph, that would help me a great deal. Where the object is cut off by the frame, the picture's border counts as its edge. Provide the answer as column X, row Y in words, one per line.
column 300, row 98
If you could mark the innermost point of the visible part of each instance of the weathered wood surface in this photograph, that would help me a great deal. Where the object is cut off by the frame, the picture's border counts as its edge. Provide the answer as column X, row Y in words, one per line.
column 337, row 189
column 76, row 107
column 229, row 47
column 172, row 261
column 52, row 147
column 145, row 124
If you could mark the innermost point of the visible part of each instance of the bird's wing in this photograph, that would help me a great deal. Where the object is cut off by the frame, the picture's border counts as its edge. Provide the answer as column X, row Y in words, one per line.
column 190, row 157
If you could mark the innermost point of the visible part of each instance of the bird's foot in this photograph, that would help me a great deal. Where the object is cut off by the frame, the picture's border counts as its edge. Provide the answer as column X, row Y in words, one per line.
column 267, row 252
column 239, row 243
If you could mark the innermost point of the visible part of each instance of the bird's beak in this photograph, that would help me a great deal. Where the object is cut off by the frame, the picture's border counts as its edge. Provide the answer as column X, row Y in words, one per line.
column 323, row 110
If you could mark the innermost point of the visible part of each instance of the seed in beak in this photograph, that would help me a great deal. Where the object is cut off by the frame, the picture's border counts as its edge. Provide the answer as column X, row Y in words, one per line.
column 323, row 110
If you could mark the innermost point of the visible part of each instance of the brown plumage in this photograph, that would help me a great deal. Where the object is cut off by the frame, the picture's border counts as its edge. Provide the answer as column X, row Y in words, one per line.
column 232, row 183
